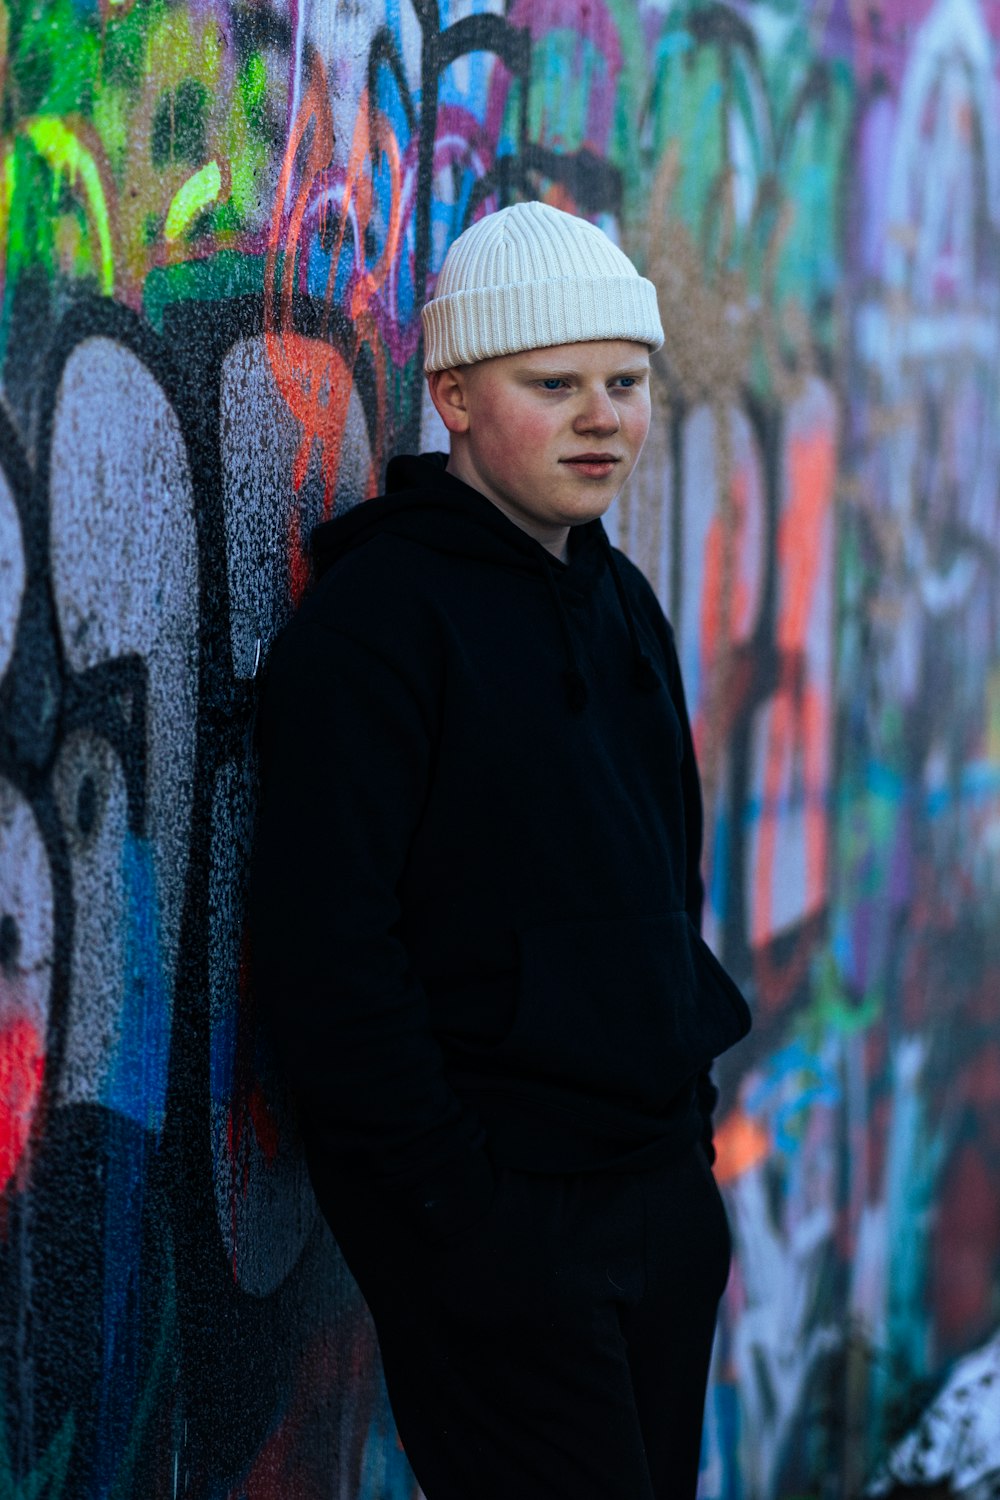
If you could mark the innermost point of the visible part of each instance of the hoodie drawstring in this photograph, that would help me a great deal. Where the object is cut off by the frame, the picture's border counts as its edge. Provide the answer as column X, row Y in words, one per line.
column 644, row 673
column 576, row 686
column 646, row 679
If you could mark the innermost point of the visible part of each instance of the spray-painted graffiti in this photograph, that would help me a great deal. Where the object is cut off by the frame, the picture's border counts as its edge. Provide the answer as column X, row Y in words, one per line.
column 217, row 227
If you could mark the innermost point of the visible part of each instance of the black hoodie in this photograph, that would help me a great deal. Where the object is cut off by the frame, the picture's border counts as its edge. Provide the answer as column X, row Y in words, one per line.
column 476, row 897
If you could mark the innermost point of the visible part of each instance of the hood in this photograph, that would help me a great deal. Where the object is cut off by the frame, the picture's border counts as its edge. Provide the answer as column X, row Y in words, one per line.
column 425, row 504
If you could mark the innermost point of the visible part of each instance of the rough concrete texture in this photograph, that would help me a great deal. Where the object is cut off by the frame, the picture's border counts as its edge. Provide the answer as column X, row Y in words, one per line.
column 218, row 221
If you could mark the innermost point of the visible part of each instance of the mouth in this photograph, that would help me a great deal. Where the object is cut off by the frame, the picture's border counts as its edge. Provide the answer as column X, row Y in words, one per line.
column 593, row 465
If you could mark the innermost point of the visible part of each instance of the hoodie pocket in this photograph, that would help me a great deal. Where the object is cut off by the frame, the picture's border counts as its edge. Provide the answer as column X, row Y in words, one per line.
column 629, row 1008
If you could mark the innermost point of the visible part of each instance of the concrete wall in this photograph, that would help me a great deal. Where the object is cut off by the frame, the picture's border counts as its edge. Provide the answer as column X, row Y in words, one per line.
column 217, row 221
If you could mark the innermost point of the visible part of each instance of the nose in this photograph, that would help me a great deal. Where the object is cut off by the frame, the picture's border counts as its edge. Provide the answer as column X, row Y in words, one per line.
column 598, row 413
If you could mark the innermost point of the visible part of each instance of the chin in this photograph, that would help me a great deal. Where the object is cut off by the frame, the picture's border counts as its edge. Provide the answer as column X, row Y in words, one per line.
column 579, row 515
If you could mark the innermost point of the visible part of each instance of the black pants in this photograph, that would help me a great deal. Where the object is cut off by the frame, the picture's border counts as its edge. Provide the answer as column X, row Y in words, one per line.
column 559, row 1350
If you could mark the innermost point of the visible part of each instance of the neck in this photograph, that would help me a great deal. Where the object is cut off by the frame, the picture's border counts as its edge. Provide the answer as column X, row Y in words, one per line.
column 554, row 539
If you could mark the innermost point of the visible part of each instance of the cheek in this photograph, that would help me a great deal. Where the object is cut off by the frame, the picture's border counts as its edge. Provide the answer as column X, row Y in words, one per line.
column 517, row 441
column 636, row 425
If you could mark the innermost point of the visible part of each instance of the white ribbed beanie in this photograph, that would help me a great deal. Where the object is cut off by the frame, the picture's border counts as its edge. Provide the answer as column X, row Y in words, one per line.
column 529, row 277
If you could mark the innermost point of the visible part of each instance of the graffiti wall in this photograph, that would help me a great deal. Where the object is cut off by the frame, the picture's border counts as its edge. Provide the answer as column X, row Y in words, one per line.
column 218, row 221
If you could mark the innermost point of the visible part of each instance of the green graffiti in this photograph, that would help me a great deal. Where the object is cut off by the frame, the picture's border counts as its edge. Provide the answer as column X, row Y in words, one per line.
column 568, row 68
column 832, row 1010
column 68, row 159
column 253, row 88
column 179, row 125
column 8, row 186
column 746, row 132
column 914, row 1156
column 54, row 58
column 197, row 193
column 132, row 136
column 227, row 274
column 48, row 1480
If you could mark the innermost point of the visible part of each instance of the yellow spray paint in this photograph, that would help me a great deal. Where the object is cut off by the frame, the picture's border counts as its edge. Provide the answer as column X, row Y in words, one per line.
column 66, row 155
column 8, row 182
column 197, row 193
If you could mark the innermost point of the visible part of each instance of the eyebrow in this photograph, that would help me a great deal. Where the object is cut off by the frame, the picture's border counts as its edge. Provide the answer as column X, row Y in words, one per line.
column 552, row 373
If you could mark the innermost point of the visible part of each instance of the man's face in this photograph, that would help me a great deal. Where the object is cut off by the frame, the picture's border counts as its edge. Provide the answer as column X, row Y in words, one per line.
column 550, row 435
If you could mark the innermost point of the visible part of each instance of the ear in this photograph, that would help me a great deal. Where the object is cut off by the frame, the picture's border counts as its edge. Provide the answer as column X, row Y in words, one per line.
column 449, row 392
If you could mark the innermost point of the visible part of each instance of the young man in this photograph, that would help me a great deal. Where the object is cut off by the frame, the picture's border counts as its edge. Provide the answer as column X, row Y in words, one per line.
column 476, row 905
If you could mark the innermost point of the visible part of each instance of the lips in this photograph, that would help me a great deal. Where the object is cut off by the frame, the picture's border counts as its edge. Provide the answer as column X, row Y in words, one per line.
column 596, row 465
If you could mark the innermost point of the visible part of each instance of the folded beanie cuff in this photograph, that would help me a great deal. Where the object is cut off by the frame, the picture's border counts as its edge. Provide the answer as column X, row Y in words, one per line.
column 479, row 323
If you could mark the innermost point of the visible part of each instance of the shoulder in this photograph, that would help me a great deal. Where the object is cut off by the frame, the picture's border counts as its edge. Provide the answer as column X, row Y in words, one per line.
column 642, row 594
column 382, row 572
column 651, row 619
column 373, row 608
column 382, row 593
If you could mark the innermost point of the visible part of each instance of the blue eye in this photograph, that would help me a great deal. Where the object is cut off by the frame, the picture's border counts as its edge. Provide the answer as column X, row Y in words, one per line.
column 552, row 384
column 626, row 381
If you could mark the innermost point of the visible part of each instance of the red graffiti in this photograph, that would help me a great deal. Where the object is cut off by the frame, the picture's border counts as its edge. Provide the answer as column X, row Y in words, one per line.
column 314, row 377
column 741, row 1143
column 798, row 731
column 22, row 1067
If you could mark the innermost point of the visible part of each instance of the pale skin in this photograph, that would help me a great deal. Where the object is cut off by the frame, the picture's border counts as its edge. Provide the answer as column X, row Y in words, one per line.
column 549, row 435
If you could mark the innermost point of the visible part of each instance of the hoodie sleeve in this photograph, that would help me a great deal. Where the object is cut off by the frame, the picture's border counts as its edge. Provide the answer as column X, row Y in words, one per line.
column 346, row 745
column 694, row 887
column 705, row 1090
